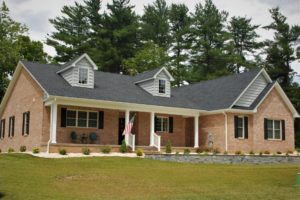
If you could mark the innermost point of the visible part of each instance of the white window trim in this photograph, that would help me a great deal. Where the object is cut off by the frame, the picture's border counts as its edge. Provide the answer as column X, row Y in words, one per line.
column 165, row 91
column 273, row 130
column 87, row 78
column 10, row 126
column 87, row 122
column 243, row 126
column 26, row 132
column 162, row 125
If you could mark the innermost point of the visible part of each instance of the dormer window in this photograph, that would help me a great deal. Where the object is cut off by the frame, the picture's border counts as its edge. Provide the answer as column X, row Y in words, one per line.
column 162, row 86
column 83, row 76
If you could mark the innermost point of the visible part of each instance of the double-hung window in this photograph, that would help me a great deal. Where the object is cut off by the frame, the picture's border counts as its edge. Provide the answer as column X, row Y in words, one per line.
column 26, row 123
column 82, row 119
column 241, row 127
column 11, row 128
column 83, row 76
column 274, row 129
column 162, row 124
column 2, row 128
column 162, row 86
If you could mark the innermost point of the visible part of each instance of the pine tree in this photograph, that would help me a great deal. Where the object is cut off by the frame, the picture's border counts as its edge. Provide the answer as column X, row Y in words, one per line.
column 120, row 32
column 180, row 43
column 280, row 51
column 208, row 49
column 72, row 33
column 243, row 40
column 155, row 25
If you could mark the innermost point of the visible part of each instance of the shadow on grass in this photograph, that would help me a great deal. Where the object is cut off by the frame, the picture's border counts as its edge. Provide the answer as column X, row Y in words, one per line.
column 1, row 195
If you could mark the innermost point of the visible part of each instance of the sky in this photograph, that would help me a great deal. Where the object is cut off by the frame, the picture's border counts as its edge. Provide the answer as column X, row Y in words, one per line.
column 36, row 14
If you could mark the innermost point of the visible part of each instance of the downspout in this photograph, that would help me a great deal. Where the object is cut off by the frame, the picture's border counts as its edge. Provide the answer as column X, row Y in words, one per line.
column 50, row 136
column 226, row 131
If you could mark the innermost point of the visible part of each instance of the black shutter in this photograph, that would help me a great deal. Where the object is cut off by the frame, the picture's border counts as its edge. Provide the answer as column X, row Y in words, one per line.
column 155, row 124
column 9, row 125
column 3, row 128
column 236, row 127
column 283, row 129
column 101, row 120
column 63, row 117
column 28, row 119
column 23, row 124
column 13, row 127
column 170, row 124
column 246, row 127
column 266, row 128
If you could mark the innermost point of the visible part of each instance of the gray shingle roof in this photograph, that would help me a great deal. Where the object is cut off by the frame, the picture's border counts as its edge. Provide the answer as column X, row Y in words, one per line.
column 208, row 95
column 146, row 75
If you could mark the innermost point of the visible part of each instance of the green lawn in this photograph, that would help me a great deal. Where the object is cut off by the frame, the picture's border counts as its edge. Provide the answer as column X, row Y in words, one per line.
column 26, row 177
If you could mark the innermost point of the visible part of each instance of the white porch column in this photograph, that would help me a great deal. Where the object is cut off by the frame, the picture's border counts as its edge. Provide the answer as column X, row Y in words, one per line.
column 152, row 129
column 127, row 116
column 196, row 129
column 53, row 121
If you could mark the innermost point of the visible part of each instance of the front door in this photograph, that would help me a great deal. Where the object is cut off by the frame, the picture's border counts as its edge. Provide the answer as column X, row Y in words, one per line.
column 121, row 129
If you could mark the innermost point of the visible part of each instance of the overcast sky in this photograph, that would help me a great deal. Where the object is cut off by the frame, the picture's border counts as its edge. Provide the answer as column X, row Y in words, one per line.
column 35, row 13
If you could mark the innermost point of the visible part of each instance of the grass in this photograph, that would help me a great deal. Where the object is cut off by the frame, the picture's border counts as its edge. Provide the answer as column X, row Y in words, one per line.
column 26, row 177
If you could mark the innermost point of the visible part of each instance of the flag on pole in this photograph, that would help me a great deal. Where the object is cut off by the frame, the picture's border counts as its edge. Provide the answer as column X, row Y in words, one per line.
column 129, row 126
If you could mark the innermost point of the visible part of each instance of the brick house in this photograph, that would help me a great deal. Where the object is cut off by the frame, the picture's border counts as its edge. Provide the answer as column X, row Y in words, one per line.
column 74, row 106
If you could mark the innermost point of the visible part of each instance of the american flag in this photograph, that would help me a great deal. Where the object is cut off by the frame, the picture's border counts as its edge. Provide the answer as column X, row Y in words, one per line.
column 129, row 126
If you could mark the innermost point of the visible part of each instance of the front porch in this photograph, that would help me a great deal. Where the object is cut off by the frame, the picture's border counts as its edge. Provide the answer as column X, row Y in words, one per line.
column 75, row 126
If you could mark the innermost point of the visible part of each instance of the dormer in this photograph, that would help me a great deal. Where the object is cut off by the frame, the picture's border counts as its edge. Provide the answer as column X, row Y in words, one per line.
column 156, row 82
column 79, row 72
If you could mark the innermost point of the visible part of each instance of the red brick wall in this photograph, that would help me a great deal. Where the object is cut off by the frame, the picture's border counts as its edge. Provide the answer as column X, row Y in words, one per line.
column 26, row 96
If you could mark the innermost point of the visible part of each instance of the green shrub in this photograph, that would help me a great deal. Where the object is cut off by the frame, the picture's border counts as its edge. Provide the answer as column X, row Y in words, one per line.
column 238, row 152
column 0, row 151
column 62, row 151
column 139, row 152
column 35, row 150
column 123, row 147
column 186, row 151
column 260, row 153
column 199, row 150
column 169, row 147
column 177, row 153
column 298, row 150
column 106, row 149
column 225, row 152
column 86, row 151
column 216, row 151
column 251, row 152
column 288, row 152
column 279, row 152
column 22, row 148
column 266, row 152
column 10, row 150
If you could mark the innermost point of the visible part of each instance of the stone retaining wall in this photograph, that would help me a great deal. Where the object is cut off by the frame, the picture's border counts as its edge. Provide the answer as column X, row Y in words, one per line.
column 224, row 159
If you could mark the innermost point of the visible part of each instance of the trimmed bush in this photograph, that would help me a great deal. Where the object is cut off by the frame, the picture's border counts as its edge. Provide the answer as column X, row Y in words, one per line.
column 187, row 151
column 123, row 147
column 22, row 148
column 260, row 153
column 225, row 152
column 238, row 152
column 62, row 152
column 279, row 152
column 0, row 151
column 267, row 152
column 298, row 150
column 10, row 150
column 139, row 152
column 288, row 152
column 35, row 150
column 169, row 147
column 216, row 151
column 106, row 149
column 86, row 151
column 177, row 153
column 251, row 152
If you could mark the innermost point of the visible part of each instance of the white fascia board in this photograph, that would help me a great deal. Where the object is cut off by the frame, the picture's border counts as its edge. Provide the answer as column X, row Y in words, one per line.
column 77, row 60
column 166, row 71
column 121, row 106
column 13, row 82
column 231, row 110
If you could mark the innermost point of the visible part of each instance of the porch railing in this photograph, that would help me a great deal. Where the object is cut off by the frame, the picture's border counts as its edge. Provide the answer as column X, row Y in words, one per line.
column 131, row 141
column 157, row 141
